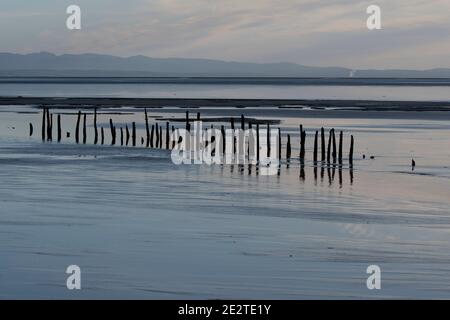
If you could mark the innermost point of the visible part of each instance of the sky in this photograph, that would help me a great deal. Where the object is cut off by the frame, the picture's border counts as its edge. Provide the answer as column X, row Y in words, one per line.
column 415, row 34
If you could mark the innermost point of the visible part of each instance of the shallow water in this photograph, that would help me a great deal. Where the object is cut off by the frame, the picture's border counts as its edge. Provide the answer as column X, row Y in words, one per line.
column 142, row 227
column 229, row 91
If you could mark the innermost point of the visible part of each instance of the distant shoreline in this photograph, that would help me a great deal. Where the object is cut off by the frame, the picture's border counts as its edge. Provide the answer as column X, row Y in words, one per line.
column 360, row 105
column 307, row 81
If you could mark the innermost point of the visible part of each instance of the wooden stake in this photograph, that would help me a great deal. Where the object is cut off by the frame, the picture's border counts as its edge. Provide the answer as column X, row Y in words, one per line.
column 315, row 146
column 340, row 148
column 43, row 123
column 103, row 136
column 288, row 147
column 257, row 142
column 151, row 136
column 147, row 129
column 95, row 127
column 77, row 128
column 323, row 150
column 133, row 136
column 127, row 132
column 84, row 129
column 59, row 128
column 350, row 156
column 167, row 135
column 31, row 129
column 113, row 132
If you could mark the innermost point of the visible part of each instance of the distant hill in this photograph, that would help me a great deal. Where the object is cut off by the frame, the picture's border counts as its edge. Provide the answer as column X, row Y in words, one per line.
column 48, row 64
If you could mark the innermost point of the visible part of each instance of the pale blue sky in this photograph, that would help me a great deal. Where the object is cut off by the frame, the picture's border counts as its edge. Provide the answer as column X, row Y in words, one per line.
column 415, row 34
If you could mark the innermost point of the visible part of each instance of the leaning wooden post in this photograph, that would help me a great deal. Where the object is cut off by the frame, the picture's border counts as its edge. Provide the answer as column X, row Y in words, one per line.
column 322, row 136
column 257, row 142
column 350, row 156
column 95, row 127
column 133, row 134
column 151, row 136
column 288, row 147
column 59, row 128
column 340, row 148
column 315, row 146
column 44, row 114
column 103, row 136
column 84, row 129
column 167, row 135
column 77, row 129
column 147, row 129
column 113, row 134
column 31, row 129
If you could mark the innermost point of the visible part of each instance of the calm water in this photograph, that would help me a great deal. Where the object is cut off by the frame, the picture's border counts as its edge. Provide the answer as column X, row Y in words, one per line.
column 237, row 91
column 142, row 227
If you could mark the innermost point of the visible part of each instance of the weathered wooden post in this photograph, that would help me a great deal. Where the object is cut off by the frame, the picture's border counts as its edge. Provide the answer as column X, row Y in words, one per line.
column 44, row 114
column 167, row 135
column 151, row 136
column 232, row 135
column 59, row 127
column 315, row 146
column 147, row 129
column 350, row 156
column 103, row 136
column 257, row 142
column 322, row 136
column 84, row 129
column 329, row 146
column 288, row 147
column 95, row 127
column 121, row 136
column 157, row 135
column 113, row 132
column 188, row 125
column 279, row 146
column 334, row 146
column 173, row 135
column 242, row 122
column 302, row 143
column 49, row 125
column 77, row 128
column 31, row 129
column 134, row 134
column 198, row 116
column 160, row 137
column 340, row 148
column 127, row 136
column 222, row 131
column 268, row 140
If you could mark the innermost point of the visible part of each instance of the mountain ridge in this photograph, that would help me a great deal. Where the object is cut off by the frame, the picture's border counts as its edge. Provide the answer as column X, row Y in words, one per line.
column 92, row 64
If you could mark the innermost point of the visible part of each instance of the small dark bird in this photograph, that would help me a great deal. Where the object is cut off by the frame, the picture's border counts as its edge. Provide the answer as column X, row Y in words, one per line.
column 372, row 157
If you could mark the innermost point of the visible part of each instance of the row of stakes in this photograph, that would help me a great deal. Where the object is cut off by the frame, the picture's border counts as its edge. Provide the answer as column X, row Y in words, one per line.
column 154, row 137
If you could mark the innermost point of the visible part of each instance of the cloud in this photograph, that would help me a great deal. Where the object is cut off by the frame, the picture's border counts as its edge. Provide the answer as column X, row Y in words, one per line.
column 303, row 31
